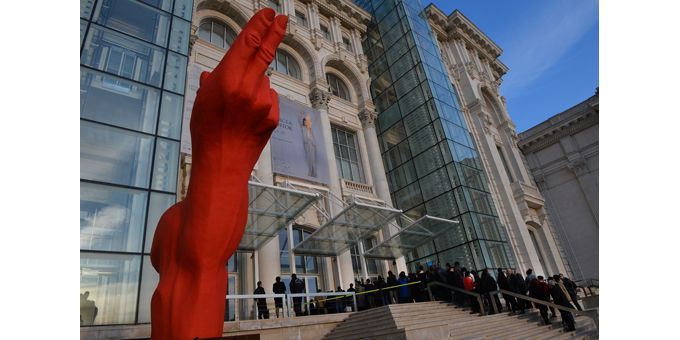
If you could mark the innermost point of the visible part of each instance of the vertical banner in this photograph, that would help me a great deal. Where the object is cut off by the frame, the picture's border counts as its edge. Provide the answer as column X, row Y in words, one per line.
column 298, row 143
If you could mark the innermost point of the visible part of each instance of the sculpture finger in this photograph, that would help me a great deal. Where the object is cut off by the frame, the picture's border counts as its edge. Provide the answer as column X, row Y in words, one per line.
column 267, row 51
column 246, row 44
column 271, row 120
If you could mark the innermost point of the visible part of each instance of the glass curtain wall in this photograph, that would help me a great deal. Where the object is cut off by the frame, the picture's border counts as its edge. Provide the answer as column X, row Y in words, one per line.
column 133, row 57
column 430, row 158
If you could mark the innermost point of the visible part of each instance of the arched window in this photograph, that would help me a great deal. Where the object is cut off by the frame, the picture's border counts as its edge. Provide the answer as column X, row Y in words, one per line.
column 216, row 33
column 338, row 87
column 285, row 64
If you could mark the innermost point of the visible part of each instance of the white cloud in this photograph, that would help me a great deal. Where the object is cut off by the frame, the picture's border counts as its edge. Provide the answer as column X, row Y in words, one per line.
column 543, row 39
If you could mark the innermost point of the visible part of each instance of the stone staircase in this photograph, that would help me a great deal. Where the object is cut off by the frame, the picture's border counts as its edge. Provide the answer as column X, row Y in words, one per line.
column 440, row 320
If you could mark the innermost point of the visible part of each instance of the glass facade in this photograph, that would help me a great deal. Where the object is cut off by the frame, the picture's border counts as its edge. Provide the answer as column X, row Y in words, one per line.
column 430, row 158
column 132, row 75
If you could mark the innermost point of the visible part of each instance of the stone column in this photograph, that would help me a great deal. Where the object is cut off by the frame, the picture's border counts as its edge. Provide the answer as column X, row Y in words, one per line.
column 319, row 99
column 380, row 185
column 382, row 190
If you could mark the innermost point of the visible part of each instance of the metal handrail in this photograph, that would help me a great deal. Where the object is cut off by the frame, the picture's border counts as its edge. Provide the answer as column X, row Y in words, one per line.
column 477, row 296
column 308, row 295
column 259, row 296
column 591, row 313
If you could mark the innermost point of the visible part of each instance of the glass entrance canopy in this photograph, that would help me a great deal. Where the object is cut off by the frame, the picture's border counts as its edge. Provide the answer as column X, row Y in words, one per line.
column 270, row 209
column 410, row 237
column 357, row 221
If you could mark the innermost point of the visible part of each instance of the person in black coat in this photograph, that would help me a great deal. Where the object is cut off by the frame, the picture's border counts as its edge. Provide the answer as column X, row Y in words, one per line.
column 296, row 286
column 488, row 287
column 262, row 310
column 515, row 286
column 370, row 297
column 391, row 292
column 278, row 288
column 560, row 298
column 571, row 289
column 503, row 283
column 454, row 277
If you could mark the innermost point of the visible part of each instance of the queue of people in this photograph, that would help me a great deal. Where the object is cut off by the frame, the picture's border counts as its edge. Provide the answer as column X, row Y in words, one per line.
column 413, row 287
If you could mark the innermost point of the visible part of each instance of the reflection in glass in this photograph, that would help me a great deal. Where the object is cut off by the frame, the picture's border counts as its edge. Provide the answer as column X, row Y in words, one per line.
column 165, row 165
column 175, row 72
column 117, row 101
column 179, row 36
column 134, row 18
column 120, row 55
column 109, row 283
column 113, row 155
column 149, row 281
column 183, row 8
column 86, row 8
column 158, row 204
column 170, row 121
column 83, row 27
column 111, row 218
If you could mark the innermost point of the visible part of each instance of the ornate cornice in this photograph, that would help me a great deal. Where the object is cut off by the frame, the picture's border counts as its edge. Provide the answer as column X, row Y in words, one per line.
column 368, row 117
column 349, row 14
column 319, row 98
column 569, row 122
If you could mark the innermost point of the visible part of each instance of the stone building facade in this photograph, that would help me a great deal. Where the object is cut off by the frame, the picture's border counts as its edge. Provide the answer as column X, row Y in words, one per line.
column 563, row 155
column 321, row 64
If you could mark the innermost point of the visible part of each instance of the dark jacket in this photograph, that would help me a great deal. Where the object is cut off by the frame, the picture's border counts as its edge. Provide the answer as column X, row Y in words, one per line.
column 503, row 282
column 391, row 280
column 279, row 288
column 297, row 286
column 559, row 297
column 261, row 303
column 539, row 290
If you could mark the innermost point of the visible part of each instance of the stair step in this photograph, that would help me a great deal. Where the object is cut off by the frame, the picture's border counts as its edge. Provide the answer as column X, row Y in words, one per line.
column 400, row 318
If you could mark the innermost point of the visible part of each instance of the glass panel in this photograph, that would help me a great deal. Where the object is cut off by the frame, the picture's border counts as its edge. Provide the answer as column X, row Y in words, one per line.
column 179, row 36
column 150, row 280
column 175, row 72
column 204, row 30
column 230, row 310
column 283, row 247
column 108, row 288
column 217, row 37
column 428, row 160
column 134, row 18
column 158, row 204
column 114, row 52
column 434, row 184
column 458, row 254
column 183, row 9
column 111, row 218
column 114, row 155
column 165, row 165
column 423, row 139
column 170, row 122
column 443, row 206
column 116, row 101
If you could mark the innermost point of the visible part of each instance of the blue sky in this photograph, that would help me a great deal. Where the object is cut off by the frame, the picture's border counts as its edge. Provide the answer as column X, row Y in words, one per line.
column 550, row 46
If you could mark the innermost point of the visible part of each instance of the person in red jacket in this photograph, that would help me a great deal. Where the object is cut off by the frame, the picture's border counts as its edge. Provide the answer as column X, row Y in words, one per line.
column 540, row 290
column 469, row 285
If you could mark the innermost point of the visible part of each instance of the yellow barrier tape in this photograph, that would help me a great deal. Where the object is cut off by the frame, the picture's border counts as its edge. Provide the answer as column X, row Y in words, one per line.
column 361, row 293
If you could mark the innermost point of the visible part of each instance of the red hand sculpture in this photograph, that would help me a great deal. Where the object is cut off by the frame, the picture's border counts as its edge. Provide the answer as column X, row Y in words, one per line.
column 233, row 117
